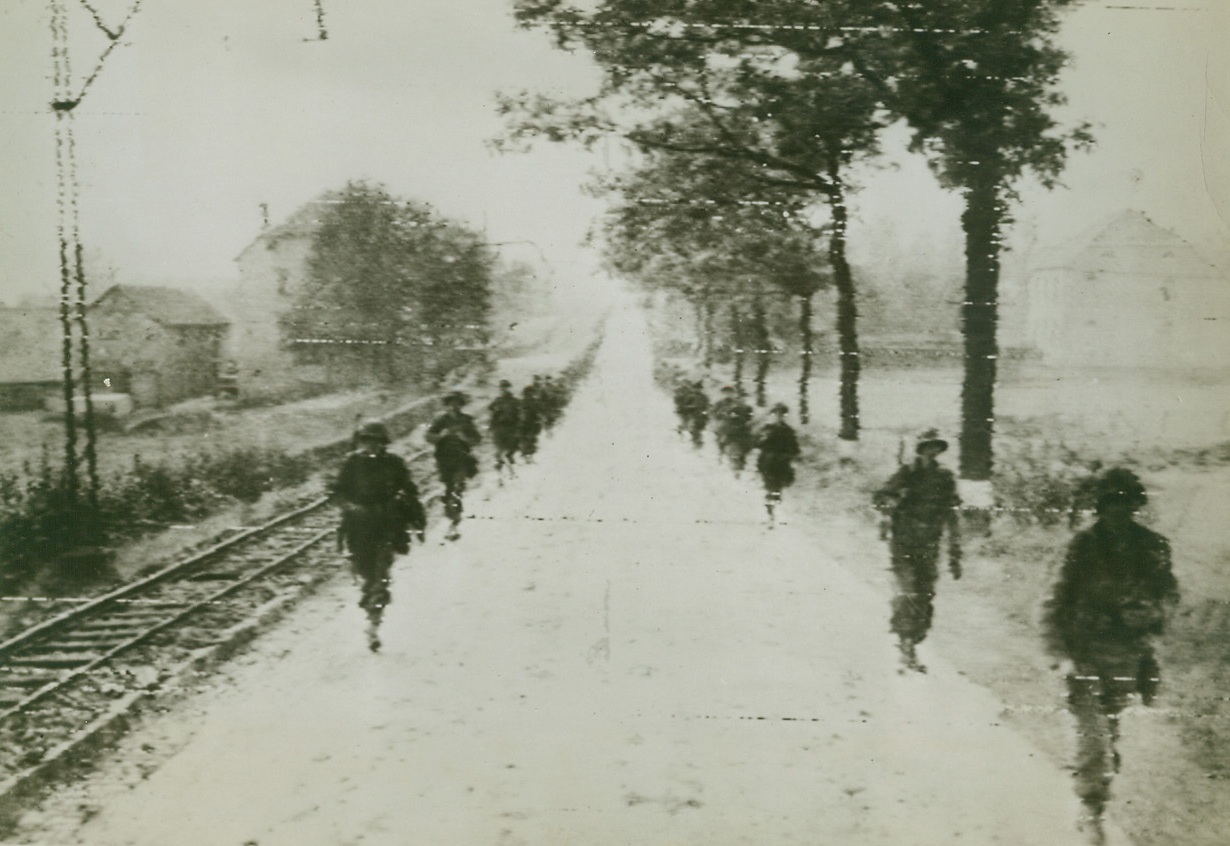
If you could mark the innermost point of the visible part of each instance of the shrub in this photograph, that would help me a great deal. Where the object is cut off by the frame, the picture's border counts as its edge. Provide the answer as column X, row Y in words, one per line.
column 39, row 521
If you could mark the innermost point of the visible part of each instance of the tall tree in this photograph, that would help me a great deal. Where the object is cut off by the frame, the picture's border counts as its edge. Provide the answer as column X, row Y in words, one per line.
column 977, row 82
column 700, row 78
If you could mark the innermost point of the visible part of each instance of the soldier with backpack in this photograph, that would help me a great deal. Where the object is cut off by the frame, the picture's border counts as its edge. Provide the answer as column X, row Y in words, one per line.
column 1110, row 603
column 505, row 425
column 380, row 507
column 779, row 447
column 733, row 428
column 454, row 436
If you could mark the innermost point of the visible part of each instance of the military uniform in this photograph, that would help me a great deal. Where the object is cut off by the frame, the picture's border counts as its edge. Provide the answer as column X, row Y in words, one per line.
column 531, row 418
column 921, row 499
column 380, row 505
column 733, row 429
column 505, row 413
column 1108, row 606
column 779, row 447
column 454, row 436
column 693, row 409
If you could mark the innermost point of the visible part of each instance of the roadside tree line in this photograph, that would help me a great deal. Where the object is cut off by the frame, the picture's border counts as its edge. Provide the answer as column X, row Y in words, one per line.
column 738, row 109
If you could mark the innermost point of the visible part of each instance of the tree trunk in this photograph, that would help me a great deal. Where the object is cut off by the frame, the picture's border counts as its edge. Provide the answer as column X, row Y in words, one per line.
column 736, row 335
column 709, row 330
column 805, row 355
column 847, row 311
column 760, row 331
column 981, row 220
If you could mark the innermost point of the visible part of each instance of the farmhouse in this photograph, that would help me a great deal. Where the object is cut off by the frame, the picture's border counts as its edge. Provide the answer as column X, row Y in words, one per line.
column 1131, row 294
column 272, row 270
column 159, row 345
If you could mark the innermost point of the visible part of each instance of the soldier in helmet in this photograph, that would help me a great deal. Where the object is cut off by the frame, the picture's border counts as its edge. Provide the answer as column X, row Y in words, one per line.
column 1110, row 603
column 505, row 427
column 693, row 408
column 732, row 419
column 454, row 436
column 921, row 501
column 779, row 447
column 531, row 418
column 380, row 506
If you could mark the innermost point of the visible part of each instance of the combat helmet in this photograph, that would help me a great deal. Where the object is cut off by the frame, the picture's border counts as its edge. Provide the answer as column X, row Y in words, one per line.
column 372, row 430
column 930, row 437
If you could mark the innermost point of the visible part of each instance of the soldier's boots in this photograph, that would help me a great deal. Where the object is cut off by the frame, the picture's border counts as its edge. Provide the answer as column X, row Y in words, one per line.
column 909, row 657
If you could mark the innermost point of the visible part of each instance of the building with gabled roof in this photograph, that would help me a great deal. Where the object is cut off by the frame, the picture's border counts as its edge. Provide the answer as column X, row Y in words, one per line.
column 272, row 271
column 1129, row 293
column 159, row 345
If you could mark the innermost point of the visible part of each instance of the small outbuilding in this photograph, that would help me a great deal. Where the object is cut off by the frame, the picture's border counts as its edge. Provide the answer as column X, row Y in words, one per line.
column 1130, row 294
column 159, row 345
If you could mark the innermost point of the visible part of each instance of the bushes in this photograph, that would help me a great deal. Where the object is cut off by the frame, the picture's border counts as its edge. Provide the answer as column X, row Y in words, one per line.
column 39, row 522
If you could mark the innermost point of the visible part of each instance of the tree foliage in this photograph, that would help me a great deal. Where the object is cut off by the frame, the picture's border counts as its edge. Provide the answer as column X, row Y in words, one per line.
column 798, row 89
column 706, row 80
column 393, row 292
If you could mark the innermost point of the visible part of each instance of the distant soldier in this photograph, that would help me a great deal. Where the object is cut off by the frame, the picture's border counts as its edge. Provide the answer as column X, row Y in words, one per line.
column 1111, row 601
column 531, row 418
column 921, row 501
column 779, row 447
column 505, row 424
column 732, row 420
column 380, row 506
column 682, row 395
column 454, row 436
column 695, row 411
column 553, row 402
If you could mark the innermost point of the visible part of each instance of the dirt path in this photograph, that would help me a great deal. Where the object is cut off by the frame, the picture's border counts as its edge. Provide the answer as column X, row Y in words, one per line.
column 616, row 652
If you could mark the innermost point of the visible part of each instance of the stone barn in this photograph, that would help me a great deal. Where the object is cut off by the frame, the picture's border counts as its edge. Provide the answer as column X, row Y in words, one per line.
column 1133, row 295
column 159, row 345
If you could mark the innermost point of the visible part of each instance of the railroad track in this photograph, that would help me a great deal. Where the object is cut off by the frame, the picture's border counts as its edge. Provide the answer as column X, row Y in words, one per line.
column 61, row 676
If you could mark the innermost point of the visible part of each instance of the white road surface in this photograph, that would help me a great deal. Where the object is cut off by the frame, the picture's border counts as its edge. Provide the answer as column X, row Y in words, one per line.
column 617, row 652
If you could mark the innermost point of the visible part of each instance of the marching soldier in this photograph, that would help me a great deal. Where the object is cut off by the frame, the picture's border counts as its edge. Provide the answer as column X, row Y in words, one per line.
column 531, row 418
column 695, row 411
column 921, row 501
column 380, row 505
column 733, row 428
column 454, row 436
column 1110, row 603
column 505, row 411
column 779, row 447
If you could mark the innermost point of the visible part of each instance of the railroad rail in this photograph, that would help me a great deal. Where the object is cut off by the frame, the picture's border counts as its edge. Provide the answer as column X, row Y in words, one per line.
column 60, row 675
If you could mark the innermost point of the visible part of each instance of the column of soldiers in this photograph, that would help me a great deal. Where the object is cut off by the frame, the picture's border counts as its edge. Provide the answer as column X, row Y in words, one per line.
column 1111, row 602
column 737, row 435
column 380, row 503
column 517, row 422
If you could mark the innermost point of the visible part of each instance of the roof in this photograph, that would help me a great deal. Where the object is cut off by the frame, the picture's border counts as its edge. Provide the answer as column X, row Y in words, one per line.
column 30, row 345
column 1129, row 243
column 301, row 223
column 168, row 306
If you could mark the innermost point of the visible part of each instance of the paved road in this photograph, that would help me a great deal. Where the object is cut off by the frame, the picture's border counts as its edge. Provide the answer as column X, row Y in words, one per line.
column 616, row 652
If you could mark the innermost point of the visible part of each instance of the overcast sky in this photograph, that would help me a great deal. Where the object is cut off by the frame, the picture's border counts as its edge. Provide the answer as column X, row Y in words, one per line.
column 207, row 110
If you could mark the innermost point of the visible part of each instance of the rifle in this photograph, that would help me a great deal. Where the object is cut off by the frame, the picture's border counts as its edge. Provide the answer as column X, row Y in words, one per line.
column 886, row 520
